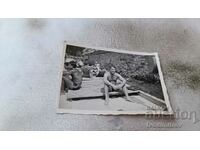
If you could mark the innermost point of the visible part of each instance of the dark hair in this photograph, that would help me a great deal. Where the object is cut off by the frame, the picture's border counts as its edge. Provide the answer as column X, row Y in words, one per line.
column 66, row 64
column 73, row 63
column 110, row 66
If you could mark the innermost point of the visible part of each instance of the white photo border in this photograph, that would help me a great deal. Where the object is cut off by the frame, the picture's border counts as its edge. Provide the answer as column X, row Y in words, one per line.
column 79, row 111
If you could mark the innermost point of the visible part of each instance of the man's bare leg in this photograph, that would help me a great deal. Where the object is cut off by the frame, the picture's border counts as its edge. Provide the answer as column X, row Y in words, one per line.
column 106, row 94
column 134, row 100
column 126, row 94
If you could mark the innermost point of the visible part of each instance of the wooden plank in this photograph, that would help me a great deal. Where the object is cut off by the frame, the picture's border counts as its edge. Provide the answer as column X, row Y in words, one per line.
column 111, row 95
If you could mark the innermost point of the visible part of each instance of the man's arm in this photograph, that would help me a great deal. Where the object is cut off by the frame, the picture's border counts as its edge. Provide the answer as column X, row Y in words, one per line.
column 67, row 74
column 122, row 79
column 105, row 79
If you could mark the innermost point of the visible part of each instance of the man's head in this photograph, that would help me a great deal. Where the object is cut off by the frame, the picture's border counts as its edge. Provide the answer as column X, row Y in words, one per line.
column 80, row 64
column 67, row 66
column 112, row 69
column 70, row 63
column 73, row 64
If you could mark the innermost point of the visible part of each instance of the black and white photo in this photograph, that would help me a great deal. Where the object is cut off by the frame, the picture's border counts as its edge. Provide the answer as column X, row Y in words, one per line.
column 110, row 81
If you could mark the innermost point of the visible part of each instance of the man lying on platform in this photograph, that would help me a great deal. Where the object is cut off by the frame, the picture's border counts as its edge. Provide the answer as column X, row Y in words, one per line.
column 114, row 82
column 92, row 70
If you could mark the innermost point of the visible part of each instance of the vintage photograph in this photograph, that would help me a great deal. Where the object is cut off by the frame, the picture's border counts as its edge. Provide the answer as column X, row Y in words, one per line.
column 110, row 81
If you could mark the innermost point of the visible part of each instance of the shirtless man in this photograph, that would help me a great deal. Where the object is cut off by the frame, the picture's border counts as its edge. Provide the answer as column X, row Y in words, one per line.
column 114, row 82
column 72, row 77
column 97, row 71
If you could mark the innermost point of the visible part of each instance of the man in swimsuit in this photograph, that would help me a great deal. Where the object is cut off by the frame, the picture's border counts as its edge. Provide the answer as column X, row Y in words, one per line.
column 72, row 77
column 114, row 82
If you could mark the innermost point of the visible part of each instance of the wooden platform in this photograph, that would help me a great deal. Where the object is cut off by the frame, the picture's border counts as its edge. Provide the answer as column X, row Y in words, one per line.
column 90, row 88
column 91, row 91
